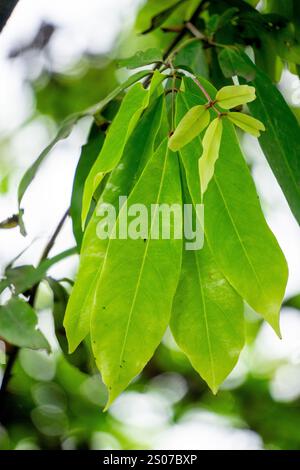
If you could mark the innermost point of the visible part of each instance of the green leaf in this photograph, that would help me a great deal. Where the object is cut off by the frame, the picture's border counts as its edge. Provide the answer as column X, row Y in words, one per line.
column 247, row 123
column 211, row 147
column 130, row 296
column 24, row 277
column 235, row 95
column 293, row 302
column 64, row 131
column 281, row 141
column 18, row 325
column 231, row 65
column 236, row 230
column 162, row 16
column 89, row 153
column 120, row 183
column 191, row 125
column 207, row 318
column 192, row 58
column 133, row 104
column 141, row 58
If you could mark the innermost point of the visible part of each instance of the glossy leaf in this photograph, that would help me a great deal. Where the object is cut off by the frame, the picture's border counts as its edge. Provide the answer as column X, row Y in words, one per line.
column 22, row 278
column 281, row 141
column 18, row 325
column 130, row 295
column 133, row 104
column 232, row 64
column 236, row 230
column 120, row 183
column 247, row 123
column 89, row 153
column 235, row 95
column 191, row 125
column 162, row 16
column 211, row 147
column 207, row 318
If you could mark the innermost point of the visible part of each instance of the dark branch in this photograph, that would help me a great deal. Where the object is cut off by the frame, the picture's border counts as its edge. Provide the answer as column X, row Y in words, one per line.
column 6, row 9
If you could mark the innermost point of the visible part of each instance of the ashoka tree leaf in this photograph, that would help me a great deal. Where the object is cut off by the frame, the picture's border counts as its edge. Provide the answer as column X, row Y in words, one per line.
column 241, row 241
column 207, row 318
column 134, row 293
column 235, row 95
column 211, row 147
column 133, row 104
column 18, row 325
column 247, row 123
column 191, row 125
column 136, row 154
column 281, row 141
column 89, row 153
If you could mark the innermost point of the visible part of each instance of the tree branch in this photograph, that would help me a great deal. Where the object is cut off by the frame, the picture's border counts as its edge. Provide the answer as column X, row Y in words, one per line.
column 6, row 9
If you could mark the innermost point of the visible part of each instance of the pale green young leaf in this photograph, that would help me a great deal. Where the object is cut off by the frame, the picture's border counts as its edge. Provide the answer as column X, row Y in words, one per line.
column 248, row 123
column 133, row 104
column 211, row 146
column 191, row 125
column 134, row 294
column 235, row 95
column 136, row 154
column 18, row 325
column 281, row 141
column 207, row 316
column 235, row 227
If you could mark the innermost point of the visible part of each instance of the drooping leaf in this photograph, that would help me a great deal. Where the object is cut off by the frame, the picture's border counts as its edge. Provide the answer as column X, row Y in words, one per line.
column 130, row 297
column 231, row 65
column 162, row 16
column 236, row 230
column 18, row 325
column 89, row 153
column 137, row 151
column 22, row 278
column 293, row 302
column 281, row 141
column 192, row 58
column 211, row 147
column 207, row 318
column 247, row 123
column 64, row 131
column 133, row 104
column 141, row 58
column 191, row 125
column 235, row 95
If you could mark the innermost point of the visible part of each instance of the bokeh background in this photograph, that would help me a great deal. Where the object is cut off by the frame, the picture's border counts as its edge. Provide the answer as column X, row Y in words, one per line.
column 57, row 57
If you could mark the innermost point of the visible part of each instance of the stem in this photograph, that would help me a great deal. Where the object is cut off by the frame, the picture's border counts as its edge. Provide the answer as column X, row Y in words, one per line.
column 14, row 352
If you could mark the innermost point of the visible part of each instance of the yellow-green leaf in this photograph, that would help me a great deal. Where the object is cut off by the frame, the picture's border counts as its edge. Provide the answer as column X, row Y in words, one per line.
column 211, row 147
column 235, row 95
column 133, row 104
column 247, row 123
column 134, row 294
column 191, row 125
